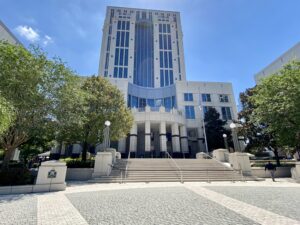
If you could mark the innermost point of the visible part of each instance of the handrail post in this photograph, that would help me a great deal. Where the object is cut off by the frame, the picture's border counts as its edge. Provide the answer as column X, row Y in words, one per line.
column 179, row 169
column 207, row 176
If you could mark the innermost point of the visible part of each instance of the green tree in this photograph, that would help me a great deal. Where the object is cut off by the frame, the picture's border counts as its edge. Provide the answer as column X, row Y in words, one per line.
column 30, row 83
column 102, row 101
column 276, row 103
column 256, row 134
column 6, row 115
column 215, row 128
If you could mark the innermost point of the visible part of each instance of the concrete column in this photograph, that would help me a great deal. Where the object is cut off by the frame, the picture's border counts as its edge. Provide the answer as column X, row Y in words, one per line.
column 184, row 140
column 175, row 138
column 240, row 161
column 147, row 136
column 51, row 177
column 162, row 136
column 201, row 140
column 133, row 138
column 122, row 145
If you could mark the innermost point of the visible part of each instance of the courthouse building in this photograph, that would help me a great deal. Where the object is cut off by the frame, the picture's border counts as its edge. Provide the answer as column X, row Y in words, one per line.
column 290, row 55
column 7, row 35
column 142, row 54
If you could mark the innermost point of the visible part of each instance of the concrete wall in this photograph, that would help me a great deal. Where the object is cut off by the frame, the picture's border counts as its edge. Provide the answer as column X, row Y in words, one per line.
column 280, row 172
column 6, row 35
column 79, row 174
column 292, row 54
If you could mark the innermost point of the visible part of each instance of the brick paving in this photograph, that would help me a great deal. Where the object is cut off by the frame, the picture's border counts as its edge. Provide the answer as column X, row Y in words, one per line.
column 157, row 203
column 282, row 201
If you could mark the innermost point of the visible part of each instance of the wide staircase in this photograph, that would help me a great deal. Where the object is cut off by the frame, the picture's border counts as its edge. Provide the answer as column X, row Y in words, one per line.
column 170, row 170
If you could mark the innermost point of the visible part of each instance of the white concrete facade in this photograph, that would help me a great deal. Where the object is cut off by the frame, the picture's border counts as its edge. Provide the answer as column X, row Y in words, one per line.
column 290, row 55
column 7, row 35
column 164, row 119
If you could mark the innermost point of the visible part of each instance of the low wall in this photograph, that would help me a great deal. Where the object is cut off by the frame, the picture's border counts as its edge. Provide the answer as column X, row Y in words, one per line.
column 280, row 172
column 79, row 174
column 26, row 189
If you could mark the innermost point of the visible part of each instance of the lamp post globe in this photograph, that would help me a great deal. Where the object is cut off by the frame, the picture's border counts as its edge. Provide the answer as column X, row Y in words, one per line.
column 107, row 123
column 224, row 135
column 232, row 125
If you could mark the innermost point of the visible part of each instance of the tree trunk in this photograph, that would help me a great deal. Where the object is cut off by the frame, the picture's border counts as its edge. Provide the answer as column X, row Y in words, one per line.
column 84, row 151
column 277, row 157
column 7, row 157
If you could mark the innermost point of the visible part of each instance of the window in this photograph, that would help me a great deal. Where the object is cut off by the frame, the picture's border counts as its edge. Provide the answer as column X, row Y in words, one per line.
column 223, row 98
column 188, row 97
column 206, row 98
column 226, row 113
column 189, row 112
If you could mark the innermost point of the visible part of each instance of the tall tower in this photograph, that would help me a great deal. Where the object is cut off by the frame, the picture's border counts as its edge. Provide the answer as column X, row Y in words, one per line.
column 142, row 46
column 142, row 54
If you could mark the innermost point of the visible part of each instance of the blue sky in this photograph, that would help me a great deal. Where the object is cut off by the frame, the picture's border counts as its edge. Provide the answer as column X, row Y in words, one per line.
column 224, row 40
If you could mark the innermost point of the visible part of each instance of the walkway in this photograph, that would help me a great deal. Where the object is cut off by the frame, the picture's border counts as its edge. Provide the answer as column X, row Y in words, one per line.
column 158, row 203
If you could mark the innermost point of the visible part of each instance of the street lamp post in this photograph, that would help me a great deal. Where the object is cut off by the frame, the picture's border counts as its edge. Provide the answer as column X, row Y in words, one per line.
column 106, row 134
column 236, row 144
column 225, row 141
column 204, row 132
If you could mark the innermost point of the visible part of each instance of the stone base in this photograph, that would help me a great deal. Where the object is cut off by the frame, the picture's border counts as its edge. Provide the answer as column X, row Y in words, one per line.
column 50, row 175
column 113, row 152
column 240, row 161
column 201, row 155
column 26, row 189
column 103, row 164
column 296, row 172
column 221, row 155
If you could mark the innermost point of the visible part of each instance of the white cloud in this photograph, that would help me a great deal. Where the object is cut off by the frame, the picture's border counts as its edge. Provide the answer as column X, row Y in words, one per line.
column 29, row 33
column 47, row 40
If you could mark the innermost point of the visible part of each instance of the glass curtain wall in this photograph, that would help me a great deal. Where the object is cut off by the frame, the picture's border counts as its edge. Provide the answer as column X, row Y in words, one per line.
column 143, row 60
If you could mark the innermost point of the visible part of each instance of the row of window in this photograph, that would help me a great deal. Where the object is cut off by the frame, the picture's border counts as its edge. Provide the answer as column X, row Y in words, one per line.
column 165, row 42
column 165, row 59
column 188, row 97
column 164, row 28
column 121, row 57
column 120, row 72
column 123, row 25
column 136, row 102
column 166, row 78
column 190, row 112
column 122, row 39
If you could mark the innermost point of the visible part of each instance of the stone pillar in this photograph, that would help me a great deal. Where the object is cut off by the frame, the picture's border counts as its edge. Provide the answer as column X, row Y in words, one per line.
column 63, row 149
column 240, row 161
column 175, row 138
column 103, row 164
column 133, row 138
column 147, row 137
column 184, row 140
column 221, row 155
column 162, row 136
column 296, row 172
column 51, row 177
column 122, row 145
column 201, row 140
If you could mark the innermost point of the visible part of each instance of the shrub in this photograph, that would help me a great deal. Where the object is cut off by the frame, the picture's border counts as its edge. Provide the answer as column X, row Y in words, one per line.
column 16, row 176
column 78, row 163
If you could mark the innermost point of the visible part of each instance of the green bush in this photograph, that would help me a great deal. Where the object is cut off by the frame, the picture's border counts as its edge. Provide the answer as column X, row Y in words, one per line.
column 78, row 163
column 16, row 176
column 1, row 154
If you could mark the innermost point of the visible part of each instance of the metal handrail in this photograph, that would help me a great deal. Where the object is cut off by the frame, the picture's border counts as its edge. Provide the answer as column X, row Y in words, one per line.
column 238, row 171
column 179, row 169
column 126, row 169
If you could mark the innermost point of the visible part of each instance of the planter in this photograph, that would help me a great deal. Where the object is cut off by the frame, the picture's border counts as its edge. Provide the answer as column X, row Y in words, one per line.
column 279, row 173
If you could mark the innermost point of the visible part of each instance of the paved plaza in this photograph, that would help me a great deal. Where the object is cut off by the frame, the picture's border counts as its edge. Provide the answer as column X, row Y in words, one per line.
column 158, row 203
